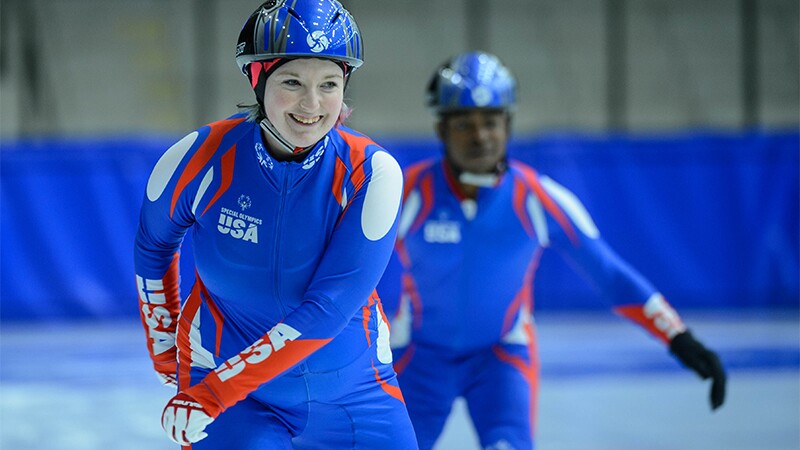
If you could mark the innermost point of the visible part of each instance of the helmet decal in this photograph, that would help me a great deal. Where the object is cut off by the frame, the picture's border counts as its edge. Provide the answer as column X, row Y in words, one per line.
column 317, row 41
column 481, row 96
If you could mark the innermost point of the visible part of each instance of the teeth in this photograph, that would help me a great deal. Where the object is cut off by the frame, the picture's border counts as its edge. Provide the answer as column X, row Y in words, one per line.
column 306, row 121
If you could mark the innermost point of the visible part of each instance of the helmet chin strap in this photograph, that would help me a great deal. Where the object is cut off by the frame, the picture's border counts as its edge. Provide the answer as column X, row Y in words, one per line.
column 283, row 144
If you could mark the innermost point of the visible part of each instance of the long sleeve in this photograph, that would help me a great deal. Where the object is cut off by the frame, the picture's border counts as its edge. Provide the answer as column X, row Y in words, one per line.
column 157, row 259
column 574, row 235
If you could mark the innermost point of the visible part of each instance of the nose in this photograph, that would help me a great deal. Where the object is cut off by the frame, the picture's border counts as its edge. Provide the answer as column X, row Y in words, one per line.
column 309, row 100
column 481, row 133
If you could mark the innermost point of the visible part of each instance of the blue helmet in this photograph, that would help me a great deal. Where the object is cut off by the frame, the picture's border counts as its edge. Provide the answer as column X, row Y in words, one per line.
column 300, row 28
column 472, row 80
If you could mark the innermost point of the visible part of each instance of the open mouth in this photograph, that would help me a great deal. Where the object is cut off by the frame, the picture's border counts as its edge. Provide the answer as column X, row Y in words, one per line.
column 306, row 120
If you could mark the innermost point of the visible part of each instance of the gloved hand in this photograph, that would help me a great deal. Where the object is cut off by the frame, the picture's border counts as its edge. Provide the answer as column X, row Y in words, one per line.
column 184, row 419
column 706, row 363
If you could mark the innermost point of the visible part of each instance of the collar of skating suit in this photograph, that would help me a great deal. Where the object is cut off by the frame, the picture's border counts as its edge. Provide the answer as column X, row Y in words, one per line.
column 456, row 176
column 306, row 159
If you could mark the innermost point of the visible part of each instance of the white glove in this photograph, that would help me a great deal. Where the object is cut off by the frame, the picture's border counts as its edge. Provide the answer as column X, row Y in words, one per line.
column 184, row 420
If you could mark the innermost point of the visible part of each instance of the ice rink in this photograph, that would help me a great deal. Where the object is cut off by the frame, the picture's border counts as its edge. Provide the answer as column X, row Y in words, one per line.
column 605, row 385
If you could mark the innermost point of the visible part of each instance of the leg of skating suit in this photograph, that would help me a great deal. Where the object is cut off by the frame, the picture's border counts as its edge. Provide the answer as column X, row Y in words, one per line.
column 250, row 424
column 502, row 397
column 359, row 406
column 430, row 384
column 366, row 418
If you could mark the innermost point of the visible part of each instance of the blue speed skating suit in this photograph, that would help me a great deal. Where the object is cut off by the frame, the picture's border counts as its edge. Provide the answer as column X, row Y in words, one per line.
column 463, row 325
column 282, row 336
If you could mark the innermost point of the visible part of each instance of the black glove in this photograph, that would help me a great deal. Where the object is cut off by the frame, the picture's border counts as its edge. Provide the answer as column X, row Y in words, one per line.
column 697, row 357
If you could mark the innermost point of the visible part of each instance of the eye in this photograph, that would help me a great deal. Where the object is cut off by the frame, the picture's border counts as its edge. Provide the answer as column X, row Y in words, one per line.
column 460, row 125
column 330, row 85
column 291, row 82
column 493, row 123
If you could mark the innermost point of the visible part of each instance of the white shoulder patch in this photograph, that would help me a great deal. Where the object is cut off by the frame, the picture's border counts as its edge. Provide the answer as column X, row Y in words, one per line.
column 167, row 165
column 572, row 206
column 382, row 199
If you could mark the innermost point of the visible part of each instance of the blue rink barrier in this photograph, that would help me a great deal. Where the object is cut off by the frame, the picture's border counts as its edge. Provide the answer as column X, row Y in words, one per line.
column 710, row 218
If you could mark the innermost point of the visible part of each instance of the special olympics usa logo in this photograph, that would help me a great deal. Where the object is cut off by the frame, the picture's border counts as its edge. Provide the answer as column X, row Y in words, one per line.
column 317, row 41
column 244, row 202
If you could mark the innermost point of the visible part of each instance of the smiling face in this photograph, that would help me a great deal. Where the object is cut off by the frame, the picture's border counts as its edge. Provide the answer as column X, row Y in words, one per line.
column 475, row 140
column 303, row 99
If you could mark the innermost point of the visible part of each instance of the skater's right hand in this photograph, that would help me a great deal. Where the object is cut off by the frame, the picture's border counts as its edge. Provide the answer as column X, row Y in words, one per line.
column 185, row 420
